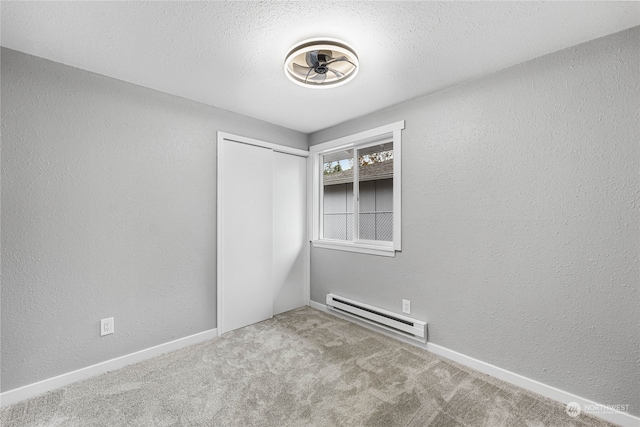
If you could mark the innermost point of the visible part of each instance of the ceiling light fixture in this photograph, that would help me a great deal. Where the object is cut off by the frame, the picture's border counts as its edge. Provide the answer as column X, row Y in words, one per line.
column 321, row 63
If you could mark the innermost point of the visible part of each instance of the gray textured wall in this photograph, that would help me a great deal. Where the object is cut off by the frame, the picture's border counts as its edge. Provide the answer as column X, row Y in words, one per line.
column 520, row 220
column 108, row 209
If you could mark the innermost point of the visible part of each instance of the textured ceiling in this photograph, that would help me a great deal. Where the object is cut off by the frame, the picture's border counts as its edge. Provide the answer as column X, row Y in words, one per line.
column 230, row 54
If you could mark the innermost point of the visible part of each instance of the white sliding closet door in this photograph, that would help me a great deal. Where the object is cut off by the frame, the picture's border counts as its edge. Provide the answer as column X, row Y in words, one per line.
column 289, row 231
column 262, row 243
column 245, row 235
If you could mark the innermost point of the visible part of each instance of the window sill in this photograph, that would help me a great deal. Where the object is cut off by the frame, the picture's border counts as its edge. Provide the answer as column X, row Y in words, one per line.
column 362, row 248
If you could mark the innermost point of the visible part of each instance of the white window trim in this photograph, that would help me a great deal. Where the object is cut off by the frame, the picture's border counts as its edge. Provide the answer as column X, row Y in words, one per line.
column 391, row 132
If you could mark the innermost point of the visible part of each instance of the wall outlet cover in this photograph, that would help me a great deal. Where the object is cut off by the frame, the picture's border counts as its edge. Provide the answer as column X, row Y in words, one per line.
column 106, row 326
column 406, row 306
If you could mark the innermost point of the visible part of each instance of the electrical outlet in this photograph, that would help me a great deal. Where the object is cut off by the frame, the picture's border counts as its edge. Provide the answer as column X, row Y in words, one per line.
column 106, row 326
column 406, row 306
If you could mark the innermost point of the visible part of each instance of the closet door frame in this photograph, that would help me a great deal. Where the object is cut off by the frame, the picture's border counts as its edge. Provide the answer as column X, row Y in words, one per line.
column 223, row 136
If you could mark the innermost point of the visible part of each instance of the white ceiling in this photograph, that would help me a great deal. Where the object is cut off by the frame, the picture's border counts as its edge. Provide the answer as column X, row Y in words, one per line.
column 230, row 54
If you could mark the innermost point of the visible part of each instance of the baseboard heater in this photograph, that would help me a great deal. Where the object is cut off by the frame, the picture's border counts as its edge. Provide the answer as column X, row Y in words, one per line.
column 397, row 323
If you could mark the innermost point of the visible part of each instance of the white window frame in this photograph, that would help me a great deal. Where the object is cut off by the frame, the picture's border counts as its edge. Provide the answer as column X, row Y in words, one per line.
column 388, row 133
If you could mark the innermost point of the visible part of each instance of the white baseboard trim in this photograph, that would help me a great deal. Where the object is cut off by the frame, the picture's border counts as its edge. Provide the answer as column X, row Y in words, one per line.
column 31, row 390
column 613, row 416
column 617, row 417
column 318, row 306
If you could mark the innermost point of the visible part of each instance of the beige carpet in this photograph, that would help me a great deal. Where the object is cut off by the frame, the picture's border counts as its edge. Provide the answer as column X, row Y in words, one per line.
column 302, row 368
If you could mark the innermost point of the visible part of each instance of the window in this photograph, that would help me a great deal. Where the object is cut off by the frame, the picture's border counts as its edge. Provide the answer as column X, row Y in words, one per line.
column 356, row 192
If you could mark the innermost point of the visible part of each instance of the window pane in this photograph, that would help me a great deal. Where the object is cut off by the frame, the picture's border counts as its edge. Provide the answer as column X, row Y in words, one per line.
column 375, row 181
column 337, row 181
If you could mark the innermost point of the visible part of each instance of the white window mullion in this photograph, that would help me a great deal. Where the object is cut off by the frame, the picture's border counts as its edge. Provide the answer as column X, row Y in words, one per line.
column 356, row 198
column 319, row 176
